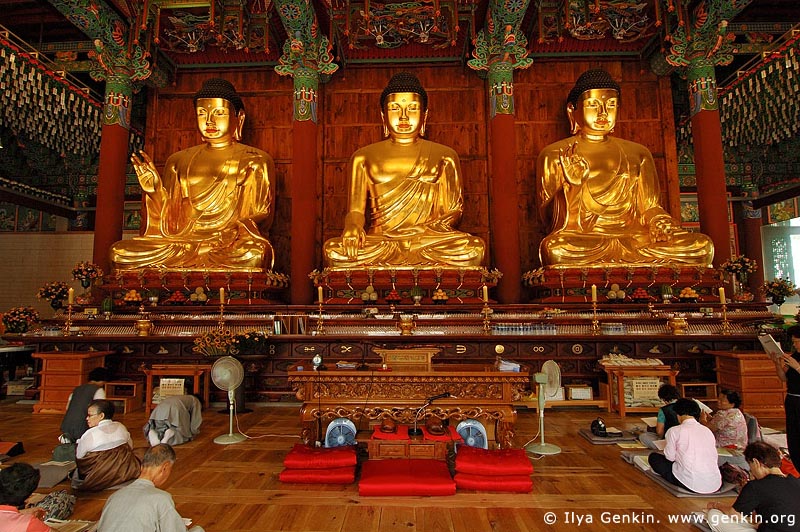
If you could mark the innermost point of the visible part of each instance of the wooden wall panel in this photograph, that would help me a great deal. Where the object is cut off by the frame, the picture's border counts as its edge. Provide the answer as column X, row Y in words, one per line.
column 349, row 118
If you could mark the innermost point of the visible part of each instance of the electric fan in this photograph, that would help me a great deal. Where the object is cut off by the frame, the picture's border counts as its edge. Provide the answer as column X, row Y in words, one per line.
column 473, row 433
column 227, row 374
column 341, row 431
column 548, row 383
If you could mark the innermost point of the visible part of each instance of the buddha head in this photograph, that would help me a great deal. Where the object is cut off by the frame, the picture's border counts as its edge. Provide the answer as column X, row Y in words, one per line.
column 220, row 112
column 592, row 104
column 404, row 107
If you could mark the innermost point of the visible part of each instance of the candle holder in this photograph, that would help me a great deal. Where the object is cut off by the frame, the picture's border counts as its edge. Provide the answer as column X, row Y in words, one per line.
column 68, row 322
column 221, row 320
column 595, row 322
column 726, row 325
column 320, row 326
column 487, row 322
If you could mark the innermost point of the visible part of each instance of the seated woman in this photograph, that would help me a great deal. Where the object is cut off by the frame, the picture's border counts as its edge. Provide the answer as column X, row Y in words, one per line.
column 17, row 482
column 74, row 423
column 105, row 452
column 175, row 420
column 771, row 497
column 666, row 416
column 728, row 423
column 690, row 456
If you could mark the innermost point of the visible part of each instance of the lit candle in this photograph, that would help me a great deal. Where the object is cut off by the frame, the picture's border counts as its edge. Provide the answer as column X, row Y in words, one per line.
column 485, row 293
column 319, row 294
column 722, row 299
column 594, row 293
column 221, row 294
column 71, row 296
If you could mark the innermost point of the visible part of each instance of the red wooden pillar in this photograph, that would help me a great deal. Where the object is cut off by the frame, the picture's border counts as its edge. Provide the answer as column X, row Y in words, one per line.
column 303, row 186
column 112, row 168
column 712, row 196
column 503, row 198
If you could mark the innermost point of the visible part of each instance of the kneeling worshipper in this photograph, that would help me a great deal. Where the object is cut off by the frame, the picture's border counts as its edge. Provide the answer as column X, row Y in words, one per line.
column 74, row 423
column 769, row 502
column 143, row 506
column 17, row 483
column 690, row 455
column 175, row 420
column 105, row 452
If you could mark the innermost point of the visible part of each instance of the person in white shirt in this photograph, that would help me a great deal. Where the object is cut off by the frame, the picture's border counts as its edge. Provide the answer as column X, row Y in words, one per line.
column 690, row 455
column 104, row 454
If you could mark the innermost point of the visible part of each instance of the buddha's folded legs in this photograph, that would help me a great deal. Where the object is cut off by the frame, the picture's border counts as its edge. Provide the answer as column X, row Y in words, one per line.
column 454, row 249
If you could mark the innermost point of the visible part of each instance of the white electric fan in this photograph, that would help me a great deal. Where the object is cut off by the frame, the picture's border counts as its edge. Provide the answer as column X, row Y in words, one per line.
column 227, row 374
column 548, row 383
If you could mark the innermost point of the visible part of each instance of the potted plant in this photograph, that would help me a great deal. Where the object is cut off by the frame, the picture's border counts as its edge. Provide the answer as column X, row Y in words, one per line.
column 19, row 319
column 54, row 292
column 779, row 289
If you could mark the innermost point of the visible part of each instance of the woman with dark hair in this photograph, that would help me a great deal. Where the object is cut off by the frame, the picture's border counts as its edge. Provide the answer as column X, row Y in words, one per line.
column 788, row 369
column 17, row 482
column 771, row 500
column 728, row 423
column 666, row 418
column 74, row 423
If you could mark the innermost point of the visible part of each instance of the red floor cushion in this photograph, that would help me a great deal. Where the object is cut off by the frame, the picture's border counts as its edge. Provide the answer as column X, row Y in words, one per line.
column 401, row 477
column 306, row 457
column 494, row 462
column 505, row 483
column 333, row 475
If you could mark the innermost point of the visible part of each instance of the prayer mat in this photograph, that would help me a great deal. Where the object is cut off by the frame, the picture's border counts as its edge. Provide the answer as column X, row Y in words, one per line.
column 504, row 483
column 404, row 477
column 51, row 473
column 727, row 489
column 333, row 475
column 307, row 457
column 606, row 440
column 451, row 434
column 495, row 462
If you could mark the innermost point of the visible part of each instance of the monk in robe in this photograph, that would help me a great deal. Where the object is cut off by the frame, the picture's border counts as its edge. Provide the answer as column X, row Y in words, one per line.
column 604, row 194
column 413, row 187
column 212, row 208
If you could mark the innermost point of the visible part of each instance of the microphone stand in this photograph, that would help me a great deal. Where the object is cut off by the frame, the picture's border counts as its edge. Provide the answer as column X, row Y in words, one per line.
column 416, row 431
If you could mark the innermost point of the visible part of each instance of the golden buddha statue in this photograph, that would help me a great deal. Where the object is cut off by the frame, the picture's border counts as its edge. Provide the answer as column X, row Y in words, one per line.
column 212, row 208
column 603, row 193
column 414, row 191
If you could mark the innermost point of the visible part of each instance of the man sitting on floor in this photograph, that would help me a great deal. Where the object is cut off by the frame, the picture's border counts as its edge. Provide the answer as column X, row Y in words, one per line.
column 175, row 420
column 17, row 482
column 690, row 456
column 142, row 505
column 105, row 452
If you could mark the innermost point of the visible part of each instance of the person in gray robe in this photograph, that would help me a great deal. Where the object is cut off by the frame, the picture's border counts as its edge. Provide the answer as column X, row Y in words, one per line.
column 175, row 420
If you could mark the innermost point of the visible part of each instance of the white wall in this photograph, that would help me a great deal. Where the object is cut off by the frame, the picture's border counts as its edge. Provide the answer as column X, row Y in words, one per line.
column 32, row 259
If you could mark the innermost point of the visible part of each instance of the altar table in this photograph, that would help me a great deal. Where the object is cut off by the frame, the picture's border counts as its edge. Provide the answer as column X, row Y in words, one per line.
column 479, row 392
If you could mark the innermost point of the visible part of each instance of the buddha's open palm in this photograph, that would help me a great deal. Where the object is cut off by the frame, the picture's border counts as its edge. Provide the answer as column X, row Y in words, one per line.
column 146, row 171
column 575, row 167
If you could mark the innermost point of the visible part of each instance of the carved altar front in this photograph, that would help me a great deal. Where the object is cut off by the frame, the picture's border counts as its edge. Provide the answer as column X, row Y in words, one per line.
column 479, row 392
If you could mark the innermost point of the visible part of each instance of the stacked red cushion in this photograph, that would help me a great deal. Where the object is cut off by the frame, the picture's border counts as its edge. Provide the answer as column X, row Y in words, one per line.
column 319, row 465
column 507, row 470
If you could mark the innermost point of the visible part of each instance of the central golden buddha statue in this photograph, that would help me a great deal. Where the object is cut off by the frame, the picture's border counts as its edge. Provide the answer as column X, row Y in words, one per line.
column 213, row 206
column 604, row 195
column 414, row 190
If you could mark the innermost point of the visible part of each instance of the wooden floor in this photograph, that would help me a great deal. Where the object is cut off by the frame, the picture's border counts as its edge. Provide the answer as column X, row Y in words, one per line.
column 236, row 488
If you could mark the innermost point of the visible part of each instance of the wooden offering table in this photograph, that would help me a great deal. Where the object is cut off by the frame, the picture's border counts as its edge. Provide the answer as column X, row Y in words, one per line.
column 478, row 392
column 617, row 376
column 195, row 371
column 753, row 375
column 61, row 372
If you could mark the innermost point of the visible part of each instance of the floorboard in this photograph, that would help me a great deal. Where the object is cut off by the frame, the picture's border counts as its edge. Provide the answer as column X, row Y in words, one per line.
column 235, row 488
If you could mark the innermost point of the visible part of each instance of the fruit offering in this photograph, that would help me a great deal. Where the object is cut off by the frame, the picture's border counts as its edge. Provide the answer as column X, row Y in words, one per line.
column 393, row 296
column 369, row 294
column 132, row 297
column 439, row 296
column 176, row 298
column 688, row 293
column 615, row 293
column 198, row 297
column 640, row 294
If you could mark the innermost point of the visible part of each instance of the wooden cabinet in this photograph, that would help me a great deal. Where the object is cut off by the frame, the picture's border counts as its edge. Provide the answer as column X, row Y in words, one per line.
column 617, row 377
column 61, row 372
column 753, row 375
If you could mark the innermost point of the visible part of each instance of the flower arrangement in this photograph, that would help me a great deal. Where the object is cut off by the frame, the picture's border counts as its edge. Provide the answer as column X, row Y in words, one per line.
column 53, row 291
column 251, row 343
column 780, row 287
column 219, row 342
column 739, row 265
column 19, row 319
column 85, row 272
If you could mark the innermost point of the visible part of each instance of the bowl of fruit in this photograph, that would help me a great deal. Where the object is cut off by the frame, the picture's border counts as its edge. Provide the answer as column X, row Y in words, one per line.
column 132, row 298
column 439, row 297
column 640, row 295
column 393, row 297
column 688, row 295
column 176, row 298
column 615, row 294
column 198, row 297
